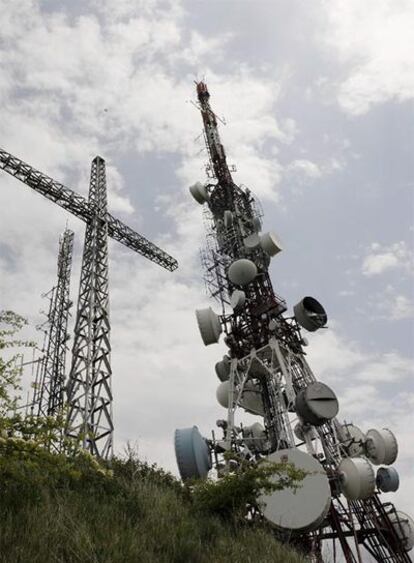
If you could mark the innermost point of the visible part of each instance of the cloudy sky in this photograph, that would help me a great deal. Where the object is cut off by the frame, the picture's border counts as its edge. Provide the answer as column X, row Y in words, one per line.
column 318, row 103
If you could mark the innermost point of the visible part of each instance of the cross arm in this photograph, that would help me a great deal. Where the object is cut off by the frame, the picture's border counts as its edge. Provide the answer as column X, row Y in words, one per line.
column 127, row 236
column 56, row 192
column 81, row 208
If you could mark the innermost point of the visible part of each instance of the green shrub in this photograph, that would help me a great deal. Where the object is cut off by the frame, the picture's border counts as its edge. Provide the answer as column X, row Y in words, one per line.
column 237, row 491
column 10, row 324
column 27, row 468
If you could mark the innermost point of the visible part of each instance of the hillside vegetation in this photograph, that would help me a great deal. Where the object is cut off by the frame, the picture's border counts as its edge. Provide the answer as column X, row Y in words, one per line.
column 69, row 508
column 59, row 509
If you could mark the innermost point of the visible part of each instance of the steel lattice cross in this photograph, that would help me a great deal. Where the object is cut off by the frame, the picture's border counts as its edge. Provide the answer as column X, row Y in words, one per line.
column 89, row 388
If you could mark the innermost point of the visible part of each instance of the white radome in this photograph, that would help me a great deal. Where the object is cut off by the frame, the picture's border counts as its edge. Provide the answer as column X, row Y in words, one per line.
column 242, row 271
column 209, row 325
column 222, row 394
column 199, row 193
column 358, row 478
column 302, row 510
column 223, row 368
column 270, row 244
column 381, row 446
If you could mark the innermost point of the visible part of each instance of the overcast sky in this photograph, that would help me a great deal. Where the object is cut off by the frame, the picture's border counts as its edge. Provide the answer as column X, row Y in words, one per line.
column 318, row 101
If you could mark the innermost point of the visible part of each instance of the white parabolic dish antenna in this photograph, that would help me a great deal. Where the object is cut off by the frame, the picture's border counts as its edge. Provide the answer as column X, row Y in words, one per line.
column 302, row 510
column 382, row 446
column 199, row 192
column 209, row 325
column 270, row 244
column 358, row 478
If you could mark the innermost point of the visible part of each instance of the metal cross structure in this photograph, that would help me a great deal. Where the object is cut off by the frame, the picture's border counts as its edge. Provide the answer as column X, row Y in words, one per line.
column 89, row 388
column 49, row 387
column 265, row 373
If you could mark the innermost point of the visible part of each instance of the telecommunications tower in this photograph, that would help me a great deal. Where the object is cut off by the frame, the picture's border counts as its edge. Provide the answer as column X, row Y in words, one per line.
column 49, row 387
column 89, row 387
column 265, row 373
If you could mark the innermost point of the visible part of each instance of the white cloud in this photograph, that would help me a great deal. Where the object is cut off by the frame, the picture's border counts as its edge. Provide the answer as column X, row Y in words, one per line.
column 117, row 203
column 402, row 308
column 300, row 173
column 346, row 292
column 306, row 168
column 380, row 259
column 341, row 360
column 378, row 263
column 200, row 47
column 391, row 305
column 374, row 42
column 331, row 355
column 388, row 367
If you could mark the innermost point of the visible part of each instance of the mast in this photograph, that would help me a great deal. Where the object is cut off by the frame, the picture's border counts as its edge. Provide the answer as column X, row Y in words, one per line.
column 49, row 393
column 212, row 138
column 265, row 373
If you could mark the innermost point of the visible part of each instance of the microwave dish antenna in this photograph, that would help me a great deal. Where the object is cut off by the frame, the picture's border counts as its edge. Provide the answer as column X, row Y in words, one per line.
column 192, row 453
column 302, row 510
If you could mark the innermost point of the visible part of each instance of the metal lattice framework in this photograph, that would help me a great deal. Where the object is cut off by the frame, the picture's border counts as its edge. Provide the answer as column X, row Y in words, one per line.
column 266, row 352
column 80, row 207
column 49, row 389
column 89, row 388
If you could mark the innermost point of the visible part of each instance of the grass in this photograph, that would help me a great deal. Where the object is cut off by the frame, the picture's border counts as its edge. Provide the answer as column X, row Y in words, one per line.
column 138, row 514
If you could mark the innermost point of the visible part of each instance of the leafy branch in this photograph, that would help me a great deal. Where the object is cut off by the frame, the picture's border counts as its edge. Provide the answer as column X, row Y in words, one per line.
column 238, row 491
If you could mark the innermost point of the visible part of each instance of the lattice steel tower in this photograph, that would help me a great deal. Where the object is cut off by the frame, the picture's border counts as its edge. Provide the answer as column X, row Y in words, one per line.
column 89, row 387
column 49, row 390
column 265, row 373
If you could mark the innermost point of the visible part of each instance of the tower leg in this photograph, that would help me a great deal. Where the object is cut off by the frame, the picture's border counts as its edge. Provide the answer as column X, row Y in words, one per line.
column 89, row 418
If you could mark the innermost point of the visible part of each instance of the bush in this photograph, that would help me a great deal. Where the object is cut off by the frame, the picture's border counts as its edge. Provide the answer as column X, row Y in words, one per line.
column 27, row 468
column 232, row 495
